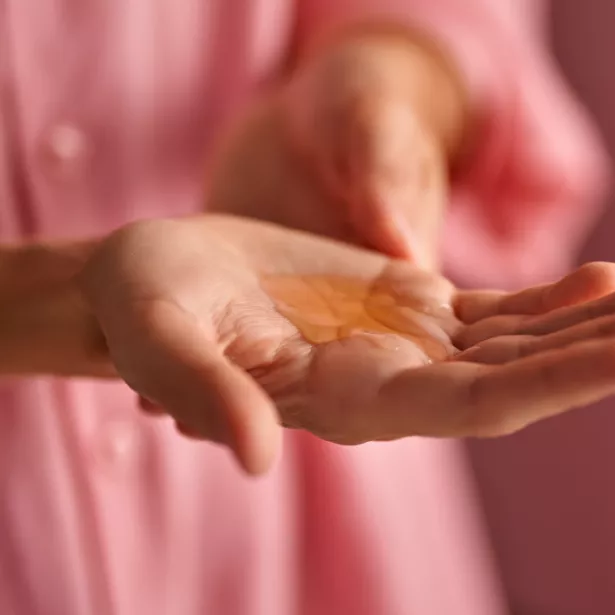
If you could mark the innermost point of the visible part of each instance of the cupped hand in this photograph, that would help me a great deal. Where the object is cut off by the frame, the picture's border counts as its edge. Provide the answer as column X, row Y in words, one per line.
column 234, row 327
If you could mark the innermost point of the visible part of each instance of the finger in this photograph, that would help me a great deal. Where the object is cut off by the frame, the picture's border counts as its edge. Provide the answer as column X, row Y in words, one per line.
column 510, row 348
column 376, row 202
column 397, row 172
column 564, row 318
column 589, row 282
column 470, row 400
column 499, row 350
column 379, row 222
column 387, row 169
column 372, row 153
column 551, row 322
column 489, row 328
column 505, row 399
column 182, row 371
column 373, row 221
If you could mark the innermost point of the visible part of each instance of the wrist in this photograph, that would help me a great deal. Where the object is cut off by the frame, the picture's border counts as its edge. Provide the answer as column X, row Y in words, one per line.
column 46, row 327
column 34, row 267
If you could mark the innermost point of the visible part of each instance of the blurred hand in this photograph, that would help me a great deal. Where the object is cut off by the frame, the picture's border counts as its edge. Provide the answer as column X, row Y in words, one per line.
column 192, row 326
column 356, row 145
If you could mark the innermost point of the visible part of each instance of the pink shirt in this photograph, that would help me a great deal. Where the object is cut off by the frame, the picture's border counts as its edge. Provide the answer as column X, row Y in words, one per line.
column 105, row 109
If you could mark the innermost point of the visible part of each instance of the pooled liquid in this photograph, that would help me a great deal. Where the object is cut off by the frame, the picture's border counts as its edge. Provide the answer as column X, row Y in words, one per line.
column 330, row 308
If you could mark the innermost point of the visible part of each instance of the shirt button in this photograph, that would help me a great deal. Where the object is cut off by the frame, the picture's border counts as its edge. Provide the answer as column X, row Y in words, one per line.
column 66, row 147
column 120, row 442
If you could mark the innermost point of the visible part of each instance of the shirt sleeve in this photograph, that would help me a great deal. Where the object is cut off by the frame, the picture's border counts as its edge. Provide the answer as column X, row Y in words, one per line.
column 531, row 189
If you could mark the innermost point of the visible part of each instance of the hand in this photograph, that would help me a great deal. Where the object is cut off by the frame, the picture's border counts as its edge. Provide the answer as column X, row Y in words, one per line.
column 356, row 145
column 188, row 311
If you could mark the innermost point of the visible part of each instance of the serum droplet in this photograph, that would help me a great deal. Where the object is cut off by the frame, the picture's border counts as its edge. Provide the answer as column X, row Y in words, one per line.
column 330, row 308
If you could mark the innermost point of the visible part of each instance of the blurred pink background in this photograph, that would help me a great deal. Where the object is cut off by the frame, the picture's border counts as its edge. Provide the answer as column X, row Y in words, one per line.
column 549, row 492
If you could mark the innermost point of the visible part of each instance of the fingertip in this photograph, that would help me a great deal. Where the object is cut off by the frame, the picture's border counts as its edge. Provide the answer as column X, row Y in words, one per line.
column 385, row 229
column 588, row 282
column 257, row 439
column 249, row 419
column 261, row 457
column 598, row 279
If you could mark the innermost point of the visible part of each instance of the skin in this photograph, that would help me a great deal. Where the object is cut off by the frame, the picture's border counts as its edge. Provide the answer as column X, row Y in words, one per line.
column 357, row 144
column 192, row 329
column 45, row 325
column 185, row 311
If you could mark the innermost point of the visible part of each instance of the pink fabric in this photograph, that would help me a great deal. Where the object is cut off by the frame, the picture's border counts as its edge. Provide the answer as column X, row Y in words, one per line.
column 107, row 108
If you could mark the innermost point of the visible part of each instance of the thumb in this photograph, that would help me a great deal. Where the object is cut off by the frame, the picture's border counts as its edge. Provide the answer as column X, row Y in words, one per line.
column 177, row 367
column 370, row 153
column 390, row 172
column 398, row 182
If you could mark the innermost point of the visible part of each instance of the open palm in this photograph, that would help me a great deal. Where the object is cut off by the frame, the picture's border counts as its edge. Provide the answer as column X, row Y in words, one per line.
column 233, row 326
